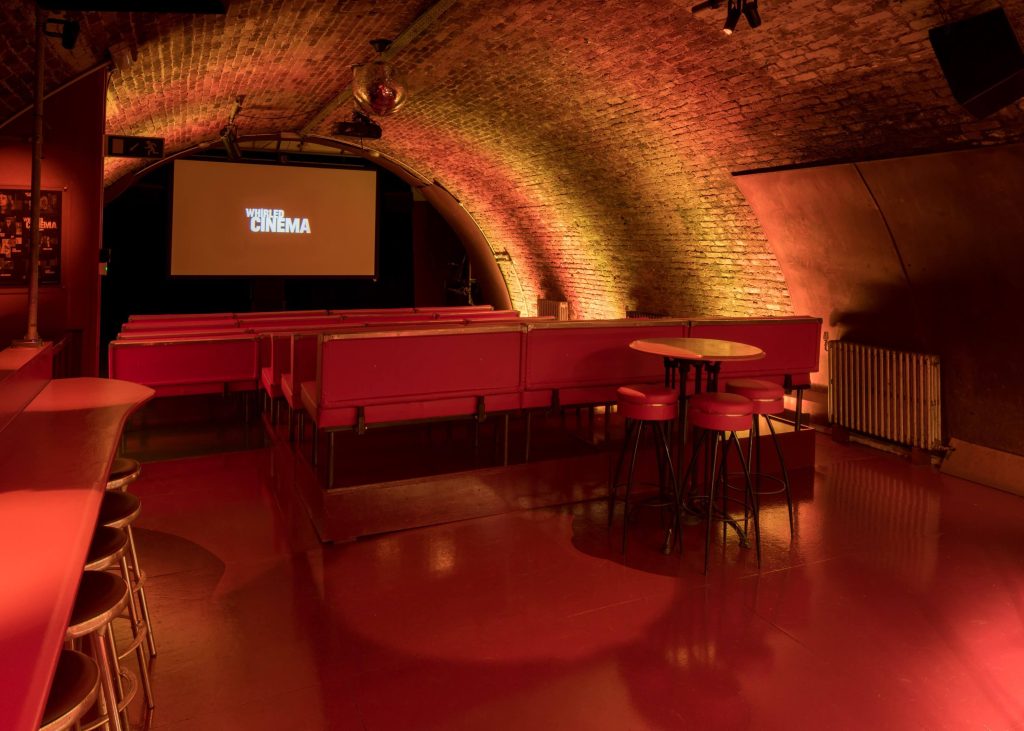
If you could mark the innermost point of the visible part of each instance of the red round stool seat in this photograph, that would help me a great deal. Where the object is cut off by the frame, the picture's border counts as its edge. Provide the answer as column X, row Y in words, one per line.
column 720, row 411
column 123, row 472
column 73, row 690
column 648, row 402
column 766, row 396
column 119, row 509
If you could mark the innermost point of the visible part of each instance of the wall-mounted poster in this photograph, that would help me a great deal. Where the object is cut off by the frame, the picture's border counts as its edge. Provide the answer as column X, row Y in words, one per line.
column 15, row 236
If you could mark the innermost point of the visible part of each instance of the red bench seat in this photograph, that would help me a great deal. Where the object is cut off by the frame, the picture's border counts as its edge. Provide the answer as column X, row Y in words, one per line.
column 574, row 362
column 187, row 366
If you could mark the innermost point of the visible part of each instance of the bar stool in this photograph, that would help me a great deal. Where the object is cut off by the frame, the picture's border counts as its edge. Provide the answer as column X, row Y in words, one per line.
column 767, row 399
column 118, row 510
column 645, row 405
column 76, row 682
column 719, row 416
column 123, row 472
column 108, row 551
column 101, row 598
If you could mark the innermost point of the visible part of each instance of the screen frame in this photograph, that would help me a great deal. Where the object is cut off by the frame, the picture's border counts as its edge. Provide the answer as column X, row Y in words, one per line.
column 268, row 277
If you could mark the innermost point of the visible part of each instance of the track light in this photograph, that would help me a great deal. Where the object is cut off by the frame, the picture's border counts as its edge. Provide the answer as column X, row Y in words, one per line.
column 750, row 10
column 734, row 10
column 230, row 142
column 68, row 33
column 732, row 17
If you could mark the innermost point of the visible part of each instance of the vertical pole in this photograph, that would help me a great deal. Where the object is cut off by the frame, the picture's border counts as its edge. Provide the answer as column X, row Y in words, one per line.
column 32, row 333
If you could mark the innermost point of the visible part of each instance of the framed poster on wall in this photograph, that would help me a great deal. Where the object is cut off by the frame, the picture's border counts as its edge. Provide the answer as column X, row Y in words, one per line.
column 15, row 236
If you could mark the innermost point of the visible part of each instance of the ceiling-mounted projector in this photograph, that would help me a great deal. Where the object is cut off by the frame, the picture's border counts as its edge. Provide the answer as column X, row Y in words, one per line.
column 360, row 126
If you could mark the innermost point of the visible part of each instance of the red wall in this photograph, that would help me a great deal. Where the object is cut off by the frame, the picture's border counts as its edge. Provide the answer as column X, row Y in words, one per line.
column 74, row 119
column 917, row 253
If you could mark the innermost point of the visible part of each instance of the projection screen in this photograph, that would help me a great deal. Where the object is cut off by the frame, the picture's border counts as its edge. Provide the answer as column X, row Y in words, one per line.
column 235, row 219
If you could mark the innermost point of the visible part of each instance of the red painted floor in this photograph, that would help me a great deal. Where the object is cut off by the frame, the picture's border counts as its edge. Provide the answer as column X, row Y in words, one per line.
column 899, row 605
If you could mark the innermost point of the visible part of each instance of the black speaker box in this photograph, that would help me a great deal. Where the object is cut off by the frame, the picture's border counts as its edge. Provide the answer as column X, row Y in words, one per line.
column 982, row 61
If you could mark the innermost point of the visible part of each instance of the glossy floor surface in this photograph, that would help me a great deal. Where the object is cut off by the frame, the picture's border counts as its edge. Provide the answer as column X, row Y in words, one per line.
column 898, row 605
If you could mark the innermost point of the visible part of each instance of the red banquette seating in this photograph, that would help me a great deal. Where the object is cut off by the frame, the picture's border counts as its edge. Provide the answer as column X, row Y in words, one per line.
column 575, row 362
column 187, row 366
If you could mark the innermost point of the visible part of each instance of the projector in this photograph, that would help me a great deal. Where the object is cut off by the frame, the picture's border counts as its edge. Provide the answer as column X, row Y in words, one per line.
column 360, row 126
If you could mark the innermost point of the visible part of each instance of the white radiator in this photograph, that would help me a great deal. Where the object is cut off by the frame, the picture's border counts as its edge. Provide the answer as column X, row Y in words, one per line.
column 885, row 393
column 557, row 309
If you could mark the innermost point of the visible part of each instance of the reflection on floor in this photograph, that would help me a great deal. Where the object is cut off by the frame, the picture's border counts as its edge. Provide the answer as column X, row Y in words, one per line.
column 899, row 605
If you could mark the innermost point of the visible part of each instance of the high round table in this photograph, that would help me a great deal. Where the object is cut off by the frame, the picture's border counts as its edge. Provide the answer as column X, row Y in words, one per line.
column 706, row 356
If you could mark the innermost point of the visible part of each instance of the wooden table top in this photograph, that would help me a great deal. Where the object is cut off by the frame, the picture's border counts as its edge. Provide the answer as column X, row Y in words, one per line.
column 54, row 459
column 698, row 349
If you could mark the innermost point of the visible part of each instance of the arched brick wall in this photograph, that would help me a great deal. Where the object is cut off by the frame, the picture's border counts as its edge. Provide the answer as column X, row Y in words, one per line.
column 592, row 141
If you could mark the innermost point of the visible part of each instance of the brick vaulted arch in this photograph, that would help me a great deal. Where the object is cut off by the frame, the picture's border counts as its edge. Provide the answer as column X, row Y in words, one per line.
column 592, row 141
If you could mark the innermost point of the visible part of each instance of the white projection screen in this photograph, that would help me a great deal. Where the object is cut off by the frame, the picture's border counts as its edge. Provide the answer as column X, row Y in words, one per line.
column 235, row 219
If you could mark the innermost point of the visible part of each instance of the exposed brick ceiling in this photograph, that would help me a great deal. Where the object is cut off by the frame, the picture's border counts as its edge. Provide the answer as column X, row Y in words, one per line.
column 592, row 140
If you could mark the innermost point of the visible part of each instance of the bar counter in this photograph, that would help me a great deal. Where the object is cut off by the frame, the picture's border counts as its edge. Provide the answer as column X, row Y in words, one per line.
column 55, row 455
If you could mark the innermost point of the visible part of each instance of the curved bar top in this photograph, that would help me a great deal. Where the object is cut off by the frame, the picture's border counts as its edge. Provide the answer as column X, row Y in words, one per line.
column 54, row 459
column 698, row 349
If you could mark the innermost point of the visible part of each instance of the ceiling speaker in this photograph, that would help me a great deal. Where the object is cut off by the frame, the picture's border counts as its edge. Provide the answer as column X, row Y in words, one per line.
column 981, row 60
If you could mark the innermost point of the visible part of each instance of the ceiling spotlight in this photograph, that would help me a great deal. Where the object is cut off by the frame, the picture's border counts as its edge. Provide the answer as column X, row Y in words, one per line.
column 230, row 142
column 360, row 126
column 68, row 32
column 734, row 10
column 732, row 16
column 750, row 10
column 376, row 87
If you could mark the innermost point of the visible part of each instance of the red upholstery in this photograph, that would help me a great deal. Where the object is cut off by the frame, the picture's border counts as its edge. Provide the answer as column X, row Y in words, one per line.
column 302, row 366
column 182, row 334
column 648, row 402
column 720, row 411
column 278, row 314
column 383, row 319
column 585, row 362
column 792, row 345
column 198, row 316
column 176, row 367
column 270, row 385
column 414, row 374
column 268, row 322
column 456, row 309
column 766, row 396
column 647, row 393
column 289, row 393
column 374, row 311
column 183, row 323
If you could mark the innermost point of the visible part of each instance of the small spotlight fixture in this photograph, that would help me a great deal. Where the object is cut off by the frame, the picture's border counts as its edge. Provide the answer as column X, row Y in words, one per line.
column 229, row 139
column 750, row 10
column 732, row 16
column 734, row 9
column 68, row 33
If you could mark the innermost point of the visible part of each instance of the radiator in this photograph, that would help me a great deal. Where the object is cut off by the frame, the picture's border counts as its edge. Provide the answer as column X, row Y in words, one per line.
column 885, row 393
column 557, row 309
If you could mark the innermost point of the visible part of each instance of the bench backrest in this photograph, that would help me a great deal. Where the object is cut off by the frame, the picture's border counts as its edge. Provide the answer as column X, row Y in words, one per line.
column 569, row 353
column 265, row 322
column 185, row 333
column 182, row 316
column 366, row 368
column 198, row 323
column 792, row 345
column 383, row 319
column 374, row 311
column 224, row 359
column 278, row 314
column 456, row 309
